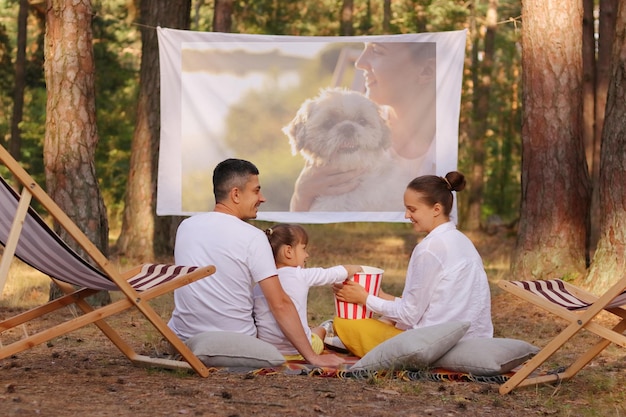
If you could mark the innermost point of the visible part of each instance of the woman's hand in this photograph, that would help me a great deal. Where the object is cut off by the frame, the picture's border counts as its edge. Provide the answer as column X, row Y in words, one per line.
column 350, row 292
column 385, row 296
column 318, row 181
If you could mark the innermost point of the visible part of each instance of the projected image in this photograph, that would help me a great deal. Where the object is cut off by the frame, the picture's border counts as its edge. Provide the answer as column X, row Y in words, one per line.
column 333, row 126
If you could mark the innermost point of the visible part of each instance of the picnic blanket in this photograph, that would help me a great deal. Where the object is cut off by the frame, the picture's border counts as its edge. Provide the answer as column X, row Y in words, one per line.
column 295, row 367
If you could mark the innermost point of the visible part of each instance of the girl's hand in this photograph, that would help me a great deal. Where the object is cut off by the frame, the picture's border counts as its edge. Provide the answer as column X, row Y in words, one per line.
column 353, row 269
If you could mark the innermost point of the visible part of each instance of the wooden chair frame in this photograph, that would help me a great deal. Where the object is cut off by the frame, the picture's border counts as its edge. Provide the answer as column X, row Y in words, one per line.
column 137, row 285
column 578, row 318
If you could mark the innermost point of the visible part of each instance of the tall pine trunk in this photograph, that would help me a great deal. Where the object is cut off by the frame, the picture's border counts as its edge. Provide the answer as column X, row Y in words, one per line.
column 145, row 236
column 606, row 35
column 555, row 180
column 71, row 134
column 609, row 261
column 347, row 18
column 15, row 145
column 482, row 69
column 223, row 16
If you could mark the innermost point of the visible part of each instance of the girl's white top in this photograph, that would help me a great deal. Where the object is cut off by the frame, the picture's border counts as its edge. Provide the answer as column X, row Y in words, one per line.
column 296, row 282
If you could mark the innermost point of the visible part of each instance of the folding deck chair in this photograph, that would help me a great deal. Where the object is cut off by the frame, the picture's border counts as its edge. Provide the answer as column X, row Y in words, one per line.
column 580, row 309
column 26, row 236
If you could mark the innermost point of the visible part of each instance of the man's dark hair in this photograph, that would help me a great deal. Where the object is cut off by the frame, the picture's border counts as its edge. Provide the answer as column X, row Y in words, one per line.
column 229, row 174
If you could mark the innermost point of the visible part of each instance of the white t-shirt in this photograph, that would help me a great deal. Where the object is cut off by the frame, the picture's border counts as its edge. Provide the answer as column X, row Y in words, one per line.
column 242, row 256
column 445, row 281
column 296, row 282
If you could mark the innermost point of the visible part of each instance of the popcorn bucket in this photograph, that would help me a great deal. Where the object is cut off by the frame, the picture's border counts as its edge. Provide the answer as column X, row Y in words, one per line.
column 370, row 279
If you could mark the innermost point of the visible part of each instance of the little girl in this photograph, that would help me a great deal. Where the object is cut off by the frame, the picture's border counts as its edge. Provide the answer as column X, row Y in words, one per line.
column 288, row 243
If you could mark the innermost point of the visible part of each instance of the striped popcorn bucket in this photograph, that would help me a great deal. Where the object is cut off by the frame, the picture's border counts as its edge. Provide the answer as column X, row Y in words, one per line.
column 370, row 279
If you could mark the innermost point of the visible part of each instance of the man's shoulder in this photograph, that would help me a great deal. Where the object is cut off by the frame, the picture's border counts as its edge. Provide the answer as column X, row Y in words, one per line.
column 213, row 218
column 221, row 224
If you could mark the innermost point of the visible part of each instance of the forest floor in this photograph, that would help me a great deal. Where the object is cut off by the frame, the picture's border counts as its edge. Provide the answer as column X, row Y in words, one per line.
column 82, row 373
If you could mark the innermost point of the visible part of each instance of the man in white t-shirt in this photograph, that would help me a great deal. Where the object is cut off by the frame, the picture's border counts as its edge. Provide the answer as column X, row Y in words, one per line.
column 242, row 256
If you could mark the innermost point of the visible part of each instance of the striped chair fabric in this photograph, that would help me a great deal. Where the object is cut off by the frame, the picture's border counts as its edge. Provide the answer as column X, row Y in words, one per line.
column 554, row 291
column 41, row 248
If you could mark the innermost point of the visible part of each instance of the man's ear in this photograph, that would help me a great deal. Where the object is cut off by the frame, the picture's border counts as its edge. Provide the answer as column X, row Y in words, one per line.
column 234, row 194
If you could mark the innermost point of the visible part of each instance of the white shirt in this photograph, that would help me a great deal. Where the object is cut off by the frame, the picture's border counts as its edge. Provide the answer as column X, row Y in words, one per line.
column 296, row 282
column 242, row 256
column 445, row 282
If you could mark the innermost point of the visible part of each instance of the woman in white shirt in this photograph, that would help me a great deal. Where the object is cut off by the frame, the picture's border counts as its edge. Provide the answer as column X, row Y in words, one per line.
column 445, row 280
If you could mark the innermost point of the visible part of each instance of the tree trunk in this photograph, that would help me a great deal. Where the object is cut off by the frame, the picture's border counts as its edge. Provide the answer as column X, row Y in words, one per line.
column 589, row 70
column 609, row 260
column 223, row 16
column 145, row 236
column 347, row 18
column 555, row 181
column 20, row 81
column 589, row 102
column 71, row 134
column 606, row 34
column 386, row 16
column 482, row 90
column 422, row 17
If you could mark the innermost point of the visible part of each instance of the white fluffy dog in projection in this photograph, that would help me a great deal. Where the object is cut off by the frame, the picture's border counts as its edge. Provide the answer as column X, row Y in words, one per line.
column 345, row 129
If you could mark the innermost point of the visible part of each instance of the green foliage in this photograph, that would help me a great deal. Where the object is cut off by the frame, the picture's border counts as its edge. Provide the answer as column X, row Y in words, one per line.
column 33, row 131
column 33, row 119
column 501, row 182
column 6, row 83
column 6, row 75
column 117, row 60
column 117, row 50
column 446, row 15
column 302, row 18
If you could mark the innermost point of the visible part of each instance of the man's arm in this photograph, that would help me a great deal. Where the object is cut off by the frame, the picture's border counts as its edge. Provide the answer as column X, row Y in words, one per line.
column 287, row 317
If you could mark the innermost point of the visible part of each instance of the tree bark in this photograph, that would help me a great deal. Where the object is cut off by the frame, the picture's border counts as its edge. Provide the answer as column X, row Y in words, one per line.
column 20, row 81
column 482, row 91
column 347, row 18
column 386, row 16
column 589, row 70
column 223, row 16
column 71, row 134
column 606, row 34
column 145, row 236
column 609, row 260
column 555, row 181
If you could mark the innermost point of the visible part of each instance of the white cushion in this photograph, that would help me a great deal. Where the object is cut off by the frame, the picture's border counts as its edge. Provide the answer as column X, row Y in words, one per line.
column 486, row 356
column 229, row 349
column 413, row 349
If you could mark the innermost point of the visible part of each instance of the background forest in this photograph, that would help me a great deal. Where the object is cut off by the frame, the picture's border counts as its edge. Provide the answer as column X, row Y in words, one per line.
column 530, row 124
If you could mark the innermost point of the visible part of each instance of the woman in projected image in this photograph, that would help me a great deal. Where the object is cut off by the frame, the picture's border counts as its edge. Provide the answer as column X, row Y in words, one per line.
column 400, row 76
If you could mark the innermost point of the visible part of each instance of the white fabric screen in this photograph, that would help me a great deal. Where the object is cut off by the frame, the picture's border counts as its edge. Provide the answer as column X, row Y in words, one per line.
column 230, row 95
